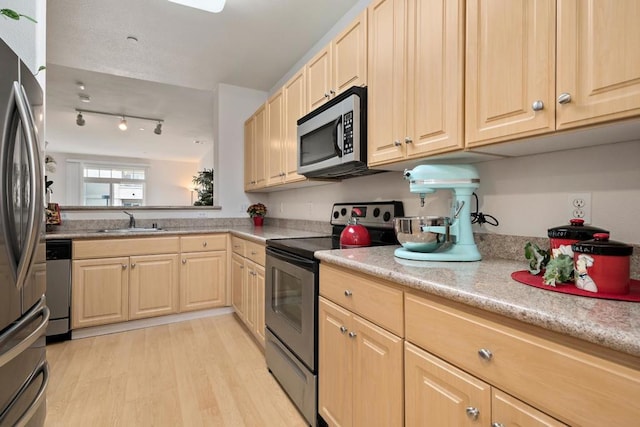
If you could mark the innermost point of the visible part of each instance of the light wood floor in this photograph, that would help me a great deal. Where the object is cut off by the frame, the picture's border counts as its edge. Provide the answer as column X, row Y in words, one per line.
column 203, row 372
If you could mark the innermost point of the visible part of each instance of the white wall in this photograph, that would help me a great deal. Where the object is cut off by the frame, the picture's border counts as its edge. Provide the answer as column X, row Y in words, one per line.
column 528, row 194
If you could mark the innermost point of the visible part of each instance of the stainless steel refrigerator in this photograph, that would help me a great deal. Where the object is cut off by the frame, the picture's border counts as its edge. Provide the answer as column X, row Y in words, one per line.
column 24, row 373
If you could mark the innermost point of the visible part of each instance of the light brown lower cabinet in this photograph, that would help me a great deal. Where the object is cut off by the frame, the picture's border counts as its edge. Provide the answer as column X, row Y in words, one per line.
column 153, row 286
column 360, row 366
column 439, row 394
column 247, row 285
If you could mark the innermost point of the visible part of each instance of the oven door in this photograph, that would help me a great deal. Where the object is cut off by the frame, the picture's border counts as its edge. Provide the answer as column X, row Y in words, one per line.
column 291, row 291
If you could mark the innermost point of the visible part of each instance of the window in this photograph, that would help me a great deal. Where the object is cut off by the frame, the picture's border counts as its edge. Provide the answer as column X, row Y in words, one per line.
column 113, row 185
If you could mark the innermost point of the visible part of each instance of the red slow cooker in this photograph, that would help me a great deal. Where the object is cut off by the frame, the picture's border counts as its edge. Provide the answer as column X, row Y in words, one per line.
column 567, row 235
column 602, row 265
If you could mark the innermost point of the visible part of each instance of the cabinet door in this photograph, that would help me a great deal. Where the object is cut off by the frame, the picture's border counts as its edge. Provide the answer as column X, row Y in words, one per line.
column 386, row 78
column 509, row 411
column 202, row 280
column 319, row 78
column 435, row 77
column 153, row 286
column 274, row 141
column 335, row 350
column 260, row 137
column 251, row 295
column 439, row 394
column 349, row 56
column 598, row 61
column 510, row 65
column 238, row 297
column 294, row 108
column 99, row 291
column 377, row 378
column 249, row 154
column 259, row 301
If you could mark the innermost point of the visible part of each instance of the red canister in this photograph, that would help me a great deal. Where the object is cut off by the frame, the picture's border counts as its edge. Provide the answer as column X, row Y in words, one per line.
column 602, row 265
column 354, row 235
column 562, row 237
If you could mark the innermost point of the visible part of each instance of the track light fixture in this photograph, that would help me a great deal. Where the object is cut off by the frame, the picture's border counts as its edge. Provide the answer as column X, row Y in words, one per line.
column 122, row 125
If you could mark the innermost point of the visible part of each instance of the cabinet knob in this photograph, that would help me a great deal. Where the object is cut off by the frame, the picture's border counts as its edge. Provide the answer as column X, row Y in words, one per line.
column 497, row 425
column 348, row 293
column 485, row 354
column 397, row 143
column 472, row 412
column 326, row 95
column 124, row 266
column 408, row 140
column 204, row 244
column 184, row 261
column 537, row 105
column 564, row 98
column 242, row 267
column 343, row 329
column 332, row 92
column 133, row 265
column 352, row 334
column 253, row 252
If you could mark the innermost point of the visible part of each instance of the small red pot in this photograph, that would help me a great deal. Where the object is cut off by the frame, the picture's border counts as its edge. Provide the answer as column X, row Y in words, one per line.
column 567, row 235
column 602, row 265
column 354, row 235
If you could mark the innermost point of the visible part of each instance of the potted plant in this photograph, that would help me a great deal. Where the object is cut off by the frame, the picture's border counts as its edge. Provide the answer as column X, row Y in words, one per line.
column 204, row 180
column 257, row 211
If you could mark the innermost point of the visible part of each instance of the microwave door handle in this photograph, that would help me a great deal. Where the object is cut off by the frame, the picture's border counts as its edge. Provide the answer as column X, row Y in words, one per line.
column 336, row 147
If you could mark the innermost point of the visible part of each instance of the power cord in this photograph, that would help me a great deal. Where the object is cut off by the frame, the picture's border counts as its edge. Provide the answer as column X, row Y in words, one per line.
column 480, row 218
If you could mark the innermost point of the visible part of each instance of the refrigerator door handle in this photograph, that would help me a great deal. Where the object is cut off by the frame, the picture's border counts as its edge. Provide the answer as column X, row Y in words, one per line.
column 39, row 310
column 35, row 185
column 23, row 421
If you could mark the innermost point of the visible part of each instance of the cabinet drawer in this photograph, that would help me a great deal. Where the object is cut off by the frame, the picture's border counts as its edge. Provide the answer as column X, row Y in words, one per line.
column 255, row 252
column 574, row 381
column 367, row 296
column 203, row 243
column 105, row 248
column 238, row 245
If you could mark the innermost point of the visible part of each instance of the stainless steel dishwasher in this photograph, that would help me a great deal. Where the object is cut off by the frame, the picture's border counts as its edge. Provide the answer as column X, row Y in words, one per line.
column 59, row 289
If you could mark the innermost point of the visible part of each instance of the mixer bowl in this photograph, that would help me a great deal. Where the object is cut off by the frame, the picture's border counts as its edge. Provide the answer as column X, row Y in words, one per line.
column 422, row 233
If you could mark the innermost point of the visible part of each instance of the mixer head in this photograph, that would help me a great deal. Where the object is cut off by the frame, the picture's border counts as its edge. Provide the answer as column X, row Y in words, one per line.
column 426, row 179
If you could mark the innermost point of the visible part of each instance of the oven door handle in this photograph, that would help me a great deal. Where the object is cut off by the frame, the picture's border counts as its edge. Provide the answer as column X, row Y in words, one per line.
column 291, row 258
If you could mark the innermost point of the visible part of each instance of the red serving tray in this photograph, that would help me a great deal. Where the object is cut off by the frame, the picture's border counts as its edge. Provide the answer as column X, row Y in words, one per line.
column 527, row 278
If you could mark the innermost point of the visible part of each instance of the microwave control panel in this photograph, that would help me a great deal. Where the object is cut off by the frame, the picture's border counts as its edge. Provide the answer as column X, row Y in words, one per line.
column 347, row 138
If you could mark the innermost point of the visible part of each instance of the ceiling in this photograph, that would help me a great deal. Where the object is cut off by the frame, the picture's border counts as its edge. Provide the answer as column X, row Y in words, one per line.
column 171, row 72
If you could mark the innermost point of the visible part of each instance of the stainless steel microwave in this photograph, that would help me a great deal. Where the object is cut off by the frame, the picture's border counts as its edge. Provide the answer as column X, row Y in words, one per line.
column 332, row 140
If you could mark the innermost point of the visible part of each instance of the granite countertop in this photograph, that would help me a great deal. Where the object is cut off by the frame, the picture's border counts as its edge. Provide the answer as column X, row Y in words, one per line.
column 257, row 234
column 488, row 285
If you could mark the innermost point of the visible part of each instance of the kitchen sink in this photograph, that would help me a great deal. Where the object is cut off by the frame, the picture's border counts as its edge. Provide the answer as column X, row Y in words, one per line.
column 131, row 230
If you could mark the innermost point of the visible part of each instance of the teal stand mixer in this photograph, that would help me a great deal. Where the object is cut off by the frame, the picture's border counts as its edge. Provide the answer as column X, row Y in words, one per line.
column 454, row 235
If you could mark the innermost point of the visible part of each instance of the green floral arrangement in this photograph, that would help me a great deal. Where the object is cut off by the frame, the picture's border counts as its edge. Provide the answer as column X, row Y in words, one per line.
column 257, row 209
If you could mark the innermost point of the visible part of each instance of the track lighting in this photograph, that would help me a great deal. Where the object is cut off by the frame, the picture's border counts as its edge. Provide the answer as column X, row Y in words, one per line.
column 122, row 125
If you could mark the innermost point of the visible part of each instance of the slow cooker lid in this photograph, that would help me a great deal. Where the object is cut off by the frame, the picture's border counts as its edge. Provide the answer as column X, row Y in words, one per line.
column 601, row 245
column 576, row 230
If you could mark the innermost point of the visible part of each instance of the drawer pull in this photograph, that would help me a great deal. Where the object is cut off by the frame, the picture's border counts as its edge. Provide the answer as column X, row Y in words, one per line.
column 253, row 252
column 352, row 334
column 343, row 329
column 124, row 266
column 497, row 425
column 184, row 261
column 348, row 293
column 133, row 265
column 204, row 244
column 472, row 412
column 236, row 246
column 485, row 354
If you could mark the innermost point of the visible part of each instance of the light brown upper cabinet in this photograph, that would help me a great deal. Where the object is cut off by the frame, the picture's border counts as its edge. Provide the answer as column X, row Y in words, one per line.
column 518, row 85
column 254, row 150
column 415, row 66
column 275, row 138
column 340, row 65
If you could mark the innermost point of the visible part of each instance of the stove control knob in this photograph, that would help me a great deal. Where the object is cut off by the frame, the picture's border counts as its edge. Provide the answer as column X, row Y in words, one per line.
column 386, row 216
column 336, row 214
column 343, row 211
column 376, row 212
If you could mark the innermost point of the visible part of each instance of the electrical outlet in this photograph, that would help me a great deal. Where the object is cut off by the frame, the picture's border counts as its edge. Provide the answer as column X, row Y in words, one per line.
column 579, row 206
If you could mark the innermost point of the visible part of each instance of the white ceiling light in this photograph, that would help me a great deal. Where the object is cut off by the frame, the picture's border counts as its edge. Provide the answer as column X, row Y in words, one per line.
column 214, row 6
column 123, row 124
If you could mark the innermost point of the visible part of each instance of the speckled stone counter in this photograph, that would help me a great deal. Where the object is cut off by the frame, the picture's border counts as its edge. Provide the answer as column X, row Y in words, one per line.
column 488, row 285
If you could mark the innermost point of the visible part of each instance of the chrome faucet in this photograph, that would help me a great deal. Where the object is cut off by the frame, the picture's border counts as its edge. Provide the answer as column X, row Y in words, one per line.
column 132, row 220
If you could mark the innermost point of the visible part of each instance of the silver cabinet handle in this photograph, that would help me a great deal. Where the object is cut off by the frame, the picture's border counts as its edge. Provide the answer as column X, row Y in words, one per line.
column 472, row 412
column 348, row 293
column 326, row 95
column 408, row 140
column 124, row 266
column 133, row 265
column 184, row 261
column 204, row 244
column 537, row 105
column 397, row 143
column 332, row 92
column 485, row 354
column 564, row 98
column 343, row 329
column 497, row 425
column 352, row 334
